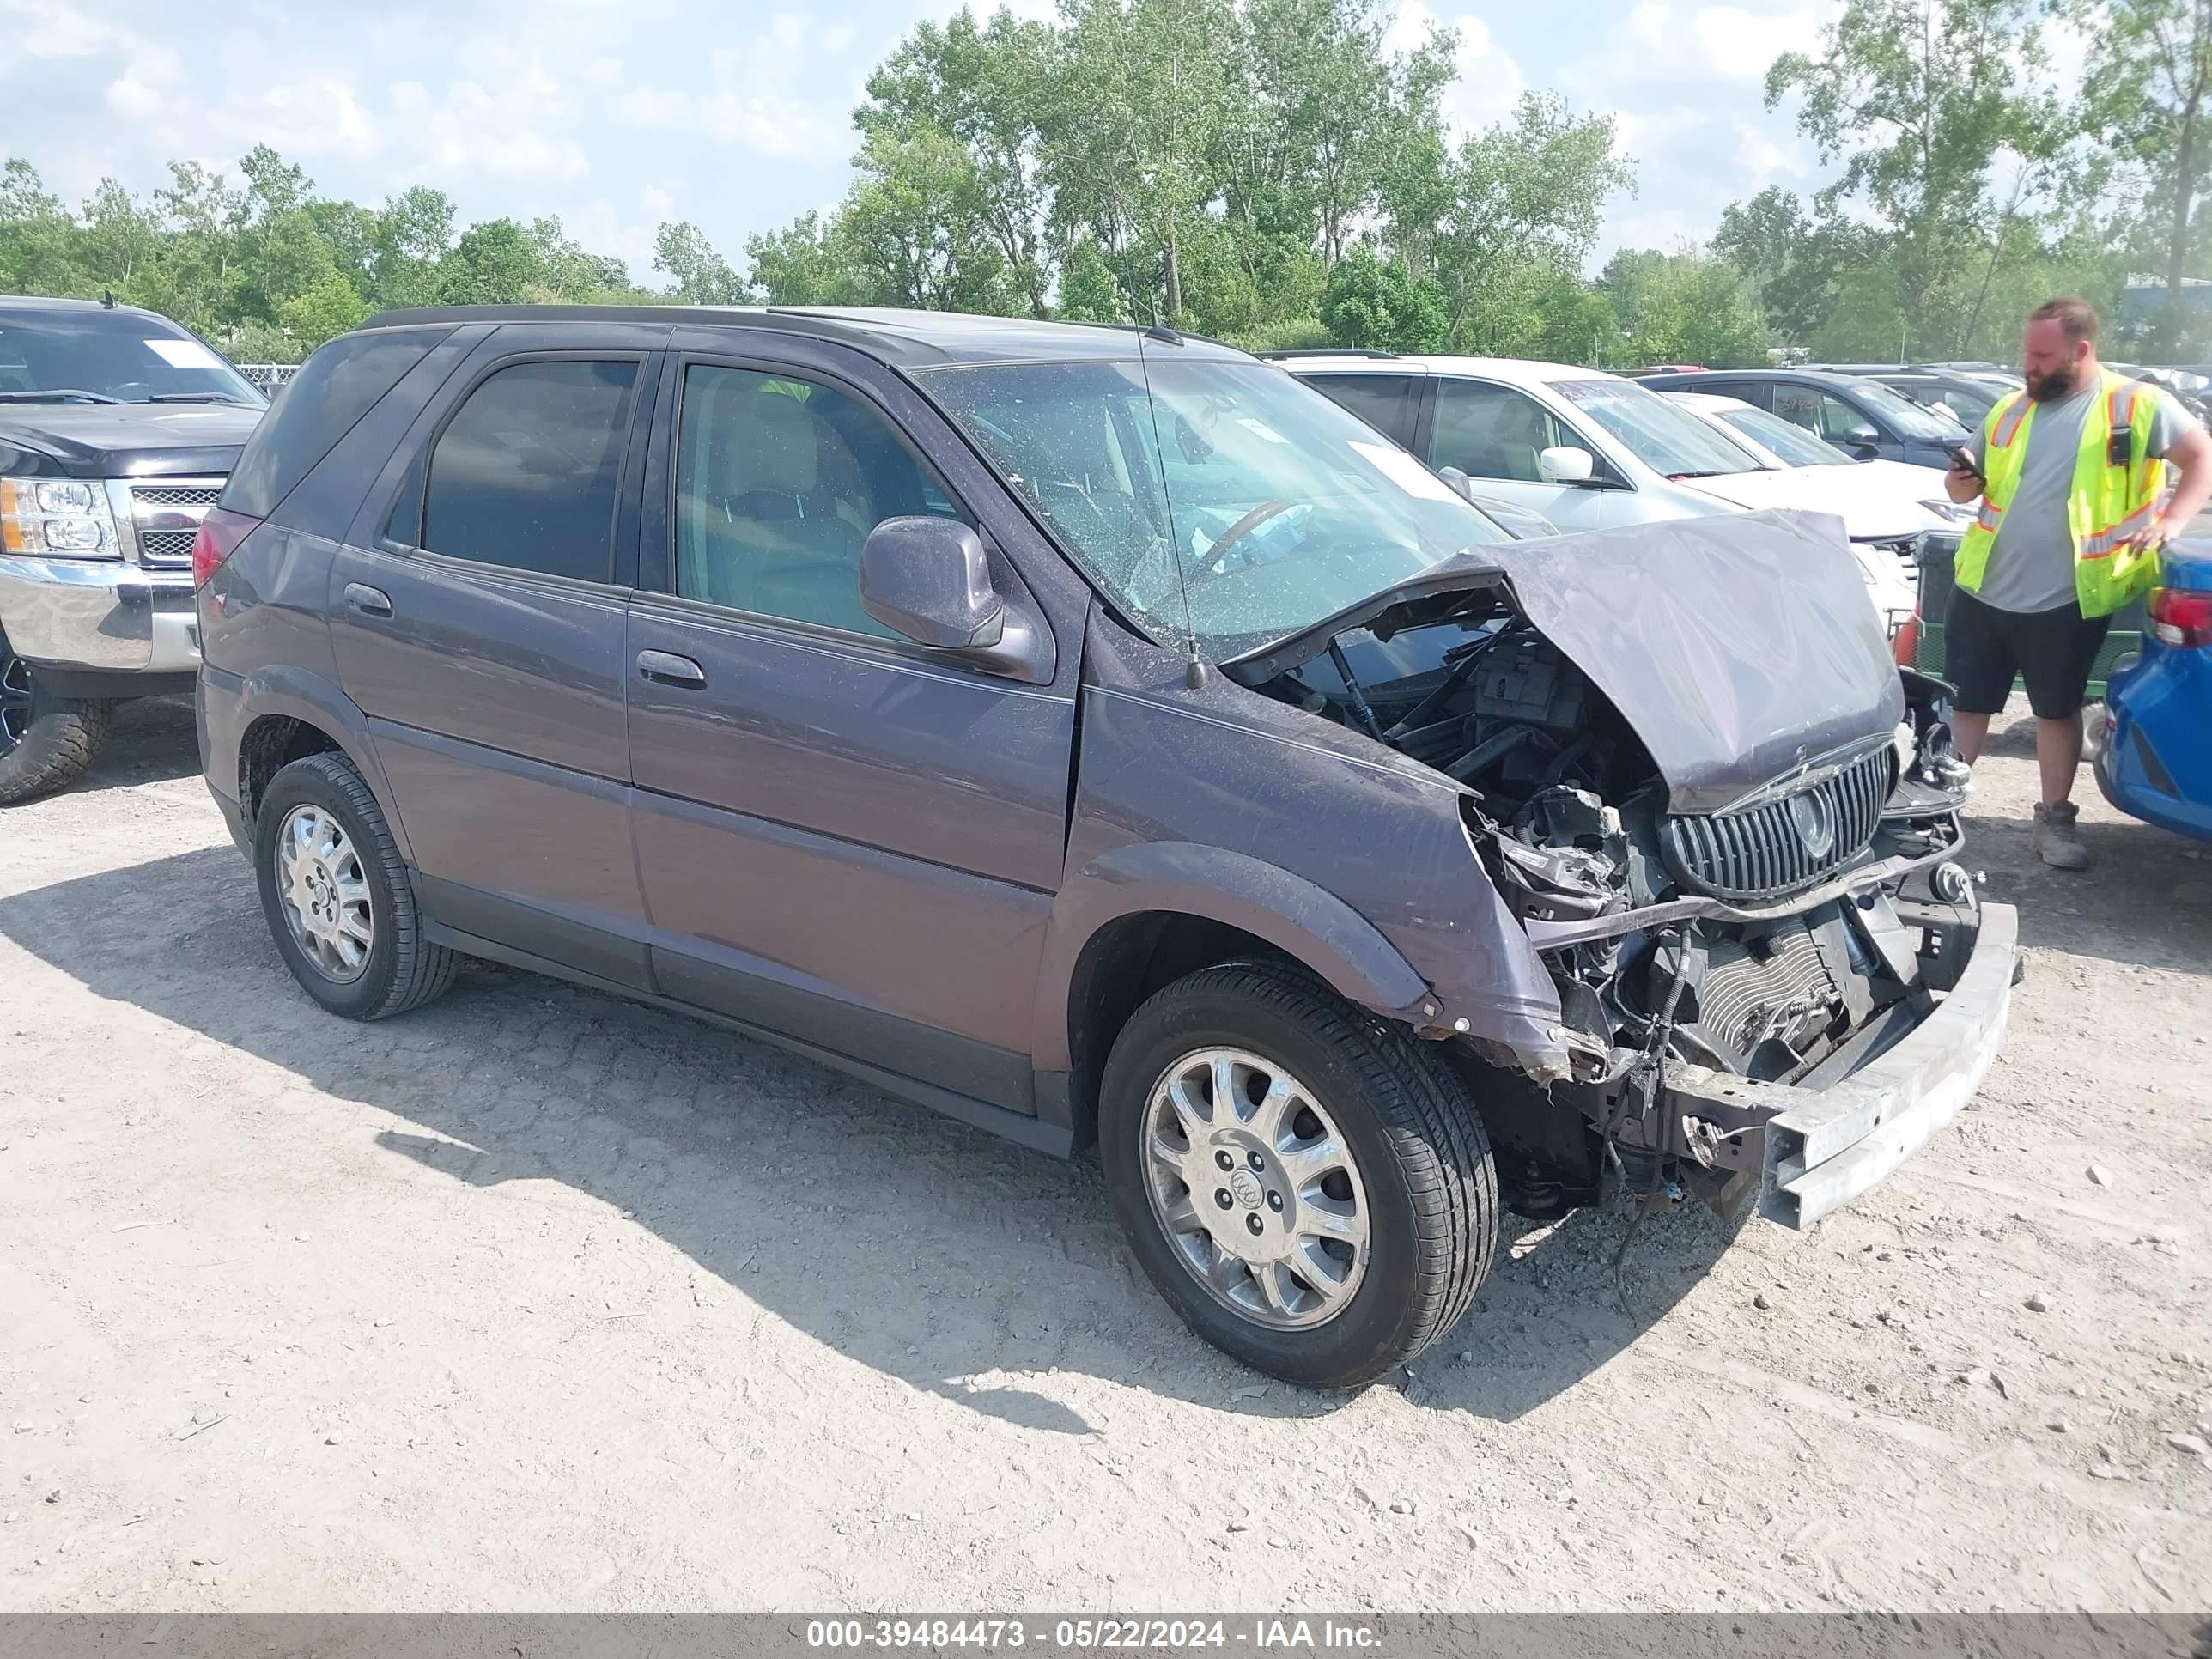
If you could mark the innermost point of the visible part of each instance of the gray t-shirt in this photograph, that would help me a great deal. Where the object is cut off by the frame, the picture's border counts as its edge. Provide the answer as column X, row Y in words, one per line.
column 2032, row 566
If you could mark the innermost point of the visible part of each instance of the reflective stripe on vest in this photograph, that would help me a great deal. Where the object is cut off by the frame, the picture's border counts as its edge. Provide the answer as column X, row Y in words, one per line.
column 2099, row 543
column 2011, row 412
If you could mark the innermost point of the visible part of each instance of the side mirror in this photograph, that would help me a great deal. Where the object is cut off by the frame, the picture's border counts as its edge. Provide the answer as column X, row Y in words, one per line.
column 1564, row 465
column 1458, row 480
column 1863, row 437
column 928, row 580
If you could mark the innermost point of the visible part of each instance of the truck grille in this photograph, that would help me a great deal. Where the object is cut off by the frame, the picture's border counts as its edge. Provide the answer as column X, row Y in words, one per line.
column 165, row 517
column 1765, row 851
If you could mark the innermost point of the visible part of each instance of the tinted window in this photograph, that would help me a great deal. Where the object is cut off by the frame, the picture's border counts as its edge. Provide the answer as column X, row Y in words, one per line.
column 525, row 476
column 778, row 483
column 334, row 388
column 1386, row 402
column 1752, row 392
column 1817, row 412
column 1491, row 431
column 91, row 353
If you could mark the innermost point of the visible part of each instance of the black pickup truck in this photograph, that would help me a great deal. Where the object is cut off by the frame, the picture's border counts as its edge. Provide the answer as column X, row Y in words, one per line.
column 117, row 430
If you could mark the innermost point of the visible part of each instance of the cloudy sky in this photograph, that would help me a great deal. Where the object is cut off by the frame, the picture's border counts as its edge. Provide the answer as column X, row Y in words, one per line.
column 735, row 115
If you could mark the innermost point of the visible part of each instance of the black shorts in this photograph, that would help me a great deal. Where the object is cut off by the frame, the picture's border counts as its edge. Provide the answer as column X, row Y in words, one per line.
column 2052, row 650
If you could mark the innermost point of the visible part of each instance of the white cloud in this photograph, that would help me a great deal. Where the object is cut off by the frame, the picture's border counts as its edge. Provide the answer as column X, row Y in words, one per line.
column 1741, row 45
column 1487, row 83
column 748, row 106
column 838, row 37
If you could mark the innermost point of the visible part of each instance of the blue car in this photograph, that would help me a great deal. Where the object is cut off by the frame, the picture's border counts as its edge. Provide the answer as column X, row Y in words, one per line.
column 2155, row 762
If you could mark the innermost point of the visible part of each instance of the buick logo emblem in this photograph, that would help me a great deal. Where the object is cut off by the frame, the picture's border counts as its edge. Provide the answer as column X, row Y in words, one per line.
column 1815, row 824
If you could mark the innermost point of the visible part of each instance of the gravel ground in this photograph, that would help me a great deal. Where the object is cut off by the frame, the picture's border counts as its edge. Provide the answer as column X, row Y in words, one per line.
column 537, row 1301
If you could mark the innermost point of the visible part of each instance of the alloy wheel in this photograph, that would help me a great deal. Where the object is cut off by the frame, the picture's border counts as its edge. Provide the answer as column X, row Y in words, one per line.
column 1255, row 1187
column 324, row 894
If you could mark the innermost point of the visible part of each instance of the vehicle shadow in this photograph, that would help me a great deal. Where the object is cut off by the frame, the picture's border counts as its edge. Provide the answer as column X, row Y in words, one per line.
column 939, row 1254
column 153, row 740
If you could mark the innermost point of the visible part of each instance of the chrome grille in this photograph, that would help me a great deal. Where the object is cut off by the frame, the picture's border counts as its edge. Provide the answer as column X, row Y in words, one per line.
column 1764, row 852
column 166, row 546
column 176, row 495
column 165, row 517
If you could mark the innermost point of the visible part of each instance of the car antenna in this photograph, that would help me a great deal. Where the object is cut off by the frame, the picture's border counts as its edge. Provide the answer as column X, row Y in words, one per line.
column 1194, row 670
column 107, row 298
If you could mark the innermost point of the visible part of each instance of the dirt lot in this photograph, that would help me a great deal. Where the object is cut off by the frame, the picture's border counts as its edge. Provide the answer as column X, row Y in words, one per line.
column 537, row 1301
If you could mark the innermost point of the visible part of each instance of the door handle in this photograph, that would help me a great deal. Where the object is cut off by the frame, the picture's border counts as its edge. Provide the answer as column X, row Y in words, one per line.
column 666, row 668
column 369, row 601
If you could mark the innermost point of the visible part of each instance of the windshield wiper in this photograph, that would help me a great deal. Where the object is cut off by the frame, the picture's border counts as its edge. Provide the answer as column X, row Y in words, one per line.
column 55, row 395
column 192, row 397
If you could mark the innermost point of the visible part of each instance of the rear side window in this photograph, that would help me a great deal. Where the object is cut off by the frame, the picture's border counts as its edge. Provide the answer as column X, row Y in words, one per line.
column 334, row 388
column 1386, row 402
column 1752, row 392
column 526, row 472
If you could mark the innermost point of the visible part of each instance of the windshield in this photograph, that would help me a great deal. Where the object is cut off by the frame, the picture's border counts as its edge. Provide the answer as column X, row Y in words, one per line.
column 1906, row 418
column 98, row 355
column 1664, row 436
column 1256, row 496
column 1789, row 440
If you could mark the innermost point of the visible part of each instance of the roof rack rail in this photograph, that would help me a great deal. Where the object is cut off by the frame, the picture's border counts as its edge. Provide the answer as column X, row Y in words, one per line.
column 1324, row 351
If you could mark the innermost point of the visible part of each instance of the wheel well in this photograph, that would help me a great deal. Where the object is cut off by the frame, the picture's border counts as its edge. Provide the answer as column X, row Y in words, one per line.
column 1125, row 962
column 272, row 744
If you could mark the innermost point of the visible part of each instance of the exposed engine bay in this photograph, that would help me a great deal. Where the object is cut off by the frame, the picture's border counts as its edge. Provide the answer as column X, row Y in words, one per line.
column 1785, row 938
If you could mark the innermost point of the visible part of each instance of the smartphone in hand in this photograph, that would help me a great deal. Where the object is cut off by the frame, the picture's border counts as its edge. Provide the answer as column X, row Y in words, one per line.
column 1963, row 462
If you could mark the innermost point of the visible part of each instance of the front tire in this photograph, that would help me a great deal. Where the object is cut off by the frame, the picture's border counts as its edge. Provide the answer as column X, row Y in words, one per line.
column 46, row 743
column 337, row 897
column 1361, row 1200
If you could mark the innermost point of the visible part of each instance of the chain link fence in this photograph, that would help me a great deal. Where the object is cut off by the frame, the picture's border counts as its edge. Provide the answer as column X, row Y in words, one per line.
column 268, row 376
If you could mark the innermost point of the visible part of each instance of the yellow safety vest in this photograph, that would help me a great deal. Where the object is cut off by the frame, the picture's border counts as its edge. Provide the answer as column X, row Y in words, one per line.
column 2106, row 505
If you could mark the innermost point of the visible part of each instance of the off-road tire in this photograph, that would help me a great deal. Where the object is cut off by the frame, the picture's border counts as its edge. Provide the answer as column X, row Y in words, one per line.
column 65, row 738
column 1424, row 1159
column 404, row 969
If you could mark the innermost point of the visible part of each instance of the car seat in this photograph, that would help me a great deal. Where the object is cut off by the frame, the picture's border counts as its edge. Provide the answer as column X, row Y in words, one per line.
column 762, row 532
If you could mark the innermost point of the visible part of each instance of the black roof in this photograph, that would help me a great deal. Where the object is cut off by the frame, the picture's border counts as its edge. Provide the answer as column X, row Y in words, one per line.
column 907, row 338
column 18, row 304
column 1818, row 377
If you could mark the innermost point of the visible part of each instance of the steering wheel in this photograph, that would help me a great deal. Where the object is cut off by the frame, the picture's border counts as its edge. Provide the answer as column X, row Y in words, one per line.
column 1236, row 532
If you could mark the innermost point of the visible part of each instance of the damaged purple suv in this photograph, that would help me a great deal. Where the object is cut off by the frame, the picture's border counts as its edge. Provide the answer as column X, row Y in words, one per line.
column 1098, row 736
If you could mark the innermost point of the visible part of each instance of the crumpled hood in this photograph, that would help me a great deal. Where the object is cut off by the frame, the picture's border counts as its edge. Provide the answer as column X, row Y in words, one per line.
column 117, row 440
column 1739, row 648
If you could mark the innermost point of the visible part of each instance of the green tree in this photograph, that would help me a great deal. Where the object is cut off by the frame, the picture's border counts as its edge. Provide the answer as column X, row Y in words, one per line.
column 2149, row 74
column 697, row 274
column 808, row 262
column 1916, row 99
column 38, row 239
column 1525, row 201
column 326, row 309
column 1088, row 292
column 494, row 263
column 1683, row 306
column 1378, row 304
column 914, row 228
column 414, row 232
column 984, row 89
column 1141, row 104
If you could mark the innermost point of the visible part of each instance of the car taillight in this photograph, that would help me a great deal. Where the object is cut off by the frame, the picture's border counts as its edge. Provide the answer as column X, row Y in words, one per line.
column 220, row 533
column 2180, row 616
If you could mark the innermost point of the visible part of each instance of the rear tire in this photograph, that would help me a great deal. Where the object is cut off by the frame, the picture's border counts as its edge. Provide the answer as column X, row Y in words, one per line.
column 46, row 743
column 1366, row 1100
column 337, row 896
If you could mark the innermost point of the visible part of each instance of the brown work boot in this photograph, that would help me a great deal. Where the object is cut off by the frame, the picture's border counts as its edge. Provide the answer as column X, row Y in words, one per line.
column 2056, row 839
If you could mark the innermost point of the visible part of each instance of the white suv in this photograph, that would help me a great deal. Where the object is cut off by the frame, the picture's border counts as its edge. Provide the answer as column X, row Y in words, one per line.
column 1592, row 451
